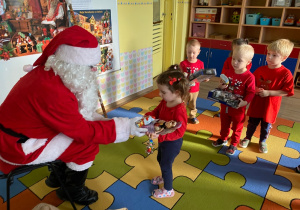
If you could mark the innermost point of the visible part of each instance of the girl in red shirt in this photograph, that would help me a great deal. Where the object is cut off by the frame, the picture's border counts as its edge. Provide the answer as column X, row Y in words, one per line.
column 173, row 88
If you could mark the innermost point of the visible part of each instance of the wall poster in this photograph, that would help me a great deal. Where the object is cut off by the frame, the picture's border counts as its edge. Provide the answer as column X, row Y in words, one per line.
column 27, row 27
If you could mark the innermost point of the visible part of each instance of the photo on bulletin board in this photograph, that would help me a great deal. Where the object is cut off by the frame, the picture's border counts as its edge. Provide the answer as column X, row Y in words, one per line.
column 27, row 26
column 99, row 23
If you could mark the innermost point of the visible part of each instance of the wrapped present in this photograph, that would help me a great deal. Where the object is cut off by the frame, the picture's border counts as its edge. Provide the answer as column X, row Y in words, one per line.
column 224, row 97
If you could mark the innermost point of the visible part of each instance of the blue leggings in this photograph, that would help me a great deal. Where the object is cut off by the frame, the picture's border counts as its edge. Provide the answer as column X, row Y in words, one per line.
column 167, row 152
column 264, row 131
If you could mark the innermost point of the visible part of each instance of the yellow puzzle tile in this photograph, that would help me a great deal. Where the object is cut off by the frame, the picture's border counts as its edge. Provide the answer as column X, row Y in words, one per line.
column 276, row 147
column 147, row 168
column 281, row 197
column 143, row 103
column 212, row 113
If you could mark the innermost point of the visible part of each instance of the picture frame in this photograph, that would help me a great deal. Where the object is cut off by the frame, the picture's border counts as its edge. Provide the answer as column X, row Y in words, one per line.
column 281, row 3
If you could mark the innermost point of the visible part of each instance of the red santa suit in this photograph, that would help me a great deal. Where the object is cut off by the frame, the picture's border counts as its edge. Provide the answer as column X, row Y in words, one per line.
column 270, row 79
column 41, row 107
column 242, row 85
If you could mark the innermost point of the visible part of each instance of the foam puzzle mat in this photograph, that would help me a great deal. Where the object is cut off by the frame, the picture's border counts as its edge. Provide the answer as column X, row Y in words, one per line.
column 204, row 177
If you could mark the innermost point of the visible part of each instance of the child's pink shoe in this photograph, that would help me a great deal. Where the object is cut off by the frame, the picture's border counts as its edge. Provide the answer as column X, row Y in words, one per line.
column 157, row 180
column 163, row 193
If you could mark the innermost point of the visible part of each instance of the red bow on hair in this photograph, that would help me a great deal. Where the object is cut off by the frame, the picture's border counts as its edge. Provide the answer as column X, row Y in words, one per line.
column 172, row 80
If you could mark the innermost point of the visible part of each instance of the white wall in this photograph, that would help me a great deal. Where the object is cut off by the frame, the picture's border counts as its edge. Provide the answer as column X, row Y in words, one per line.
column 11, row 71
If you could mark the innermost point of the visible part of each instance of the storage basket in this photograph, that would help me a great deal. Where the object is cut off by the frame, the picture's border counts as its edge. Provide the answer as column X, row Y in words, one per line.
column 275, row 21
column 252, row 19
column 265, row 21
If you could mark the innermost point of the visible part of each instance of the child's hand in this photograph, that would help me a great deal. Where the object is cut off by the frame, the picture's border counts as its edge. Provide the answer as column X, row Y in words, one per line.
column 192, row 84
column 222, row 85
column 264, row 93
column 185, row 74
column 258, row 90
column 153, row 135
column 206, row 80
column 242, row 103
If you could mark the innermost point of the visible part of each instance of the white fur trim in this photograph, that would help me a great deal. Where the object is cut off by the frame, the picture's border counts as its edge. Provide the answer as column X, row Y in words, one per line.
column 27, row 68
column 54, row 149
column 50, row 22
column 78, row 55
column 122, row 129
column 76, row 167
column 32, row 145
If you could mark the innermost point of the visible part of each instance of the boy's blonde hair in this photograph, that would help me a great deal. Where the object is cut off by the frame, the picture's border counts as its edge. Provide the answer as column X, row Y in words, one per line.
column 282, row 46
column 194, row 43
column 246, row 50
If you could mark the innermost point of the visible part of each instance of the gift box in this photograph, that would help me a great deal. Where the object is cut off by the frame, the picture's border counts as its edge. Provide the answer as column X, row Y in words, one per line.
column 224, row 97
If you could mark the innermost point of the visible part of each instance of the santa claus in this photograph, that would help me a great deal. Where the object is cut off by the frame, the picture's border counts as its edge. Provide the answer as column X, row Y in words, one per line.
column 55, row 12
column 50, row 114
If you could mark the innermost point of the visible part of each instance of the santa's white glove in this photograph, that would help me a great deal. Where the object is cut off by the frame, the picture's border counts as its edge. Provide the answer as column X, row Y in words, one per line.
column 136, row 131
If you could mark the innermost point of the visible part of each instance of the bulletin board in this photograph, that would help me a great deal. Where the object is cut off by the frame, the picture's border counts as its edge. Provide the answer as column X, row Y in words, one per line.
column 24, row 33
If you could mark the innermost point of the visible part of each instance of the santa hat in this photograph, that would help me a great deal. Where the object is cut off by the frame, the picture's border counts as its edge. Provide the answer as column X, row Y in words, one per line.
column 74, row 45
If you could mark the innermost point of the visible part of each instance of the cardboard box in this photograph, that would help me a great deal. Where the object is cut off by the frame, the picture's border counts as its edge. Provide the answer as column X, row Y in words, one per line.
column 206, row 11
column 198, row 30
column 205, row 17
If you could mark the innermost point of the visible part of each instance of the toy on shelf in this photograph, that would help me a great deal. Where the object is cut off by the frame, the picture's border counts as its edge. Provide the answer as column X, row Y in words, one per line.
column 235, row 18
column 298, row 23
column 290, row 20
column 203, row 74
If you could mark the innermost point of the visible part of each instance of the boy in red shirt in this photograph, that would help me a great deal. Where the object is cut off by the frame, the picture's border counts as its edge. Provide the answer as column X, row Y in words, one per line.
column 272, row 82
column 242, row 84
column 190, row 66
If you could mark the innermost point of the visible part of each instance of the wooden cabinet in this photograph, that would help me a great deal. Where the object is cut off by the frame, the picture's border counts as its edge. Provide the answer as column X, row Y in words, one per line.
column 226, row 28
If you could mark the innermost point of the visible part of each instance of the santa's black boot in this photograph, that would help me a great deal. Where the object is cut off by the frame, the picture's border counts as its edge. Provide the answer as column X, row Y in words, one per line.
column 52, row 181
column 75, row 185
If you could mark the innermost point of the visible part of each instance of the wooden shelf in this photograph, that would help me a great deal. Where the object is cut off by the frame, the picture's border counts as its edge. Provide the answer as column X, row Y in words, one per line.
column 257, row 34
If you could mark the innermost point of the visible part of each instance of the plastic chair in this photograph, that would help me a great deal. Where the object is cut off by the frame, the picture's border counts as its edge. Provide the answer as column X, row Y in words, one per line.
column 10, row 178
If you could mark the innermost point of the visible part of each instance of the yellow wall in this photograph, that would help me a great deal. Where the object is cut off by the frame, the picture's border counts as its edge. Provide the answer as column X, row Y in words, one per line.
column 135, row 24
column 181, row 29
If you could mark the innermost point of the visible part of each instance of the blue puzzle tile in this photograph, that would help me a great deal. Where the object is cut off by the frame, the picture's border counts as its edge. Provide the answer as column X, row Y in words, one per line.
column 259, row 176
column 16, row 188
column 124, row 193
column 204, row 104
column 120, row 112
column 287, row 161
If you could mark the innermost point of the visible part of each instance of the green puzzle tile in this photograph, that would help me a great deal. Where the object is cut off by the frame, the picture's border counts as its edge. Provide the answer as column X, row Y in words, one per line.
column 111, row 157
column 211, row 193
column 201, row 149
column 293, row 131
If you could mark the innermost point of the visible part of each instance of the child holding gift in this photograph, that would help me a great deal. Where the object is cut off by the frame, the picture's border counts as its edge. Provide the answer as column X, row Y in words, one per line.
column 190, row 66
column 173, row 88
column 272, row 82
column 242, row 84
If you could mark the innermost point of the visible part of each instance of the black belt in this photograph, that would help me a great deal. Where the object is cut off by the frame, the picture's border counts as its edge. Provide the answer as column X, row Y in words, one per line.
column 8, row 131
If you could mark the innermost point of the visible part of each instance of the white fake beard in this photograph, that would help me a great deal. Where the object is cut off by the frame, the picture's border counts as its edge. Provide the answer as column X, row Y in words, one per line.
column 80, row 80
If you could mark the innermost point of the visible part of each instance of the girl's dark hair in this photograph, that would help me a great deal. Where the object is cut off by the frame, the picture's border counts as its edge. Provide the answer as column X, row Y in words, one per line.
column 175, row 80
column 240, row 41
